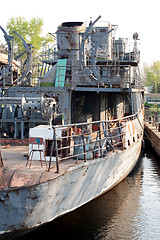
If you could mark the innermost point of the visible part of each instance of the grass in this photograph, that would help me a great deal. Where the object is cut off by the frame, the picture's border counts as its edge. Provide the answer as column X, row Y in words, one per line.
column 153, row 107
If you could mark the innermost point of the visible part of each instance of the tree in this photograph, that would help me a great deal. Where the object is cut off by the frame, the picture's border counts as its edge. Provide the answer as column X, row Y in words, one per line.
column 3, row 48
column 31, row 31
column 152, row 75
column 158, row 88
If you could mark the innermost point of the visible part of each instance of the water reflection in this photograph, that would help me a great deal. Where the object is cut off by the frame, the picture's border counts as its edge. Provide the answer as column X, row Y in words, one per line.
column 131, row 210
column 150, row 197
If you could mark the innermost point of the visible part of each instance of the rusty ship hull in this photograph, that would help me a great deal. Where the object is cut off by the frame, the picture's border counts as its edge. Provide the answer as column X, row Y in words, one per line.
column 25, row 208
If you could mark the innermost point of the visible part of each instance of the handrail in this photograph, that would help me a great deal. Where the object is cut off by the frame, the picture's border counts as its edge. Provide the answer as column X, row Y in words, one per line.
column 95, row 122
column 80, row 141
column 153, row 118
column 109, row 73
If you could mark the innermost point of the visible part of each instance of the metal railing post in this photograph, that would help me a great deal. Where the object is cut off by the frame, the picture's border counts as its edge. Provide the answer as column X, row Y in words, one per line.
column 51, row 153
column 56, row 149
column 84, row 148
column 100, row 143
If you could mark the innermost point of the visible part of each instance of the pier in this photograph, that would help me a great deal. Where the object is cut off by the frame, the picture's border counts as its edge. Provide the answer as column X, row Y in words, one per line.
column 152, row 129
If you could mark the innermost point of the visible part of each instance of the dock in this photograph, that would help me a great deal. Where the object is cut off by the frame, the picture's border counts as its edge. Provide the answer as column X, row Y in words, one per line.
column 153, row 134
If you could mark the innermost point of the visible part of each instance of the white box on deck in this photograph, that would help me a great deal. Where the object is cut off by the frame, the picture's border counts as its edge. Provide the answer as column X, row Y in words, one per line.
column 41, row 131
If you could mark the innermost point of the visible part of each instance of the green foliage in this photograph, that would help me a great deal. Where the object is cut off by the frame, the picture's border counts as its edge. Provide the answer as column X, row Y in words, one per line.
column 3, row 48
column 153, row 107
column 31, row 31
column 152, row 74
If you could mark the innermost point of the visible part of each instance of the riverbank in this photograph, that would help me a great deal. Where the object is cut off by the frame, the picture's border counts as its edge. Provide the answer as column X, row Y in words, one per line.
column 153, row 136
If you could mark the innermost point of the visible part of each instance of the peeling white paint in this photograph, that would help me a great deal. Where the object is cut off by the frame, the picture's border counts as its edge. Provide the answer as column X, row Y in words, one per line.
column 28, row 207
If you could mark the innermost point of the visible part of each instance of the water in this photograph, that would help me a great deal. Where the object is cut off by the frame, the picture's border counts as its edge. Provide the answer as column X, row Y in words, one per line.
column 131, row 210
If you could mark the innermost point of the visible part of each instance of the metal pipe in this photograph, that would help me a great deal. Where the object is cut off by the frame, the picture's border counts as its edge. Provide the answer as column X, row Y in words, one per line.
column 51, row 155
column 56, row 149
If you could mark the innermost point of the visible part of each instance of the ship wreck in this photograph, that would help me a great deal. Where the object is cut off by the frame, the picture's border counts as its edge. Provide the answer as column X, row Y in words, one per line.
column 86, row 136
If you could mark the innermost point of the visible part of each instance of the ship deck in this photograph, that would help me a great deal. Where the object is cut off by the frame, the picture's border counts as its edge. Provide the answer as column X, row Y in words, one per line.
column 14, row 173
column 116, row 137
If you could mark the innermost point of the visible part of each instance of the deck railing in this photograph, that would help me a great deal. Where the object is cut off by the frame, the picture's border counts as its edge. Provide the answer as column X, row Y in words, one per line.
column 111, row 74
column 152, row 117
column 85, row 141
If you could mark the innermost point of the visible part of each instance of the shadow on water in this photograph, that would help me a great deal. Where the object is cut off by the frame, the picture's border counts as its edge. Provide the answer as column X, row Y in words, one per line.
column 130, row 210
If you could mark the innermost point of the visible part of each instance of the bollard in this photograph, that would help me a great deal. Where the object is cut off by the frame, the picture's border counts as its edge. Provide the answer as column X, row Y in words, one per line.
column 159, row 127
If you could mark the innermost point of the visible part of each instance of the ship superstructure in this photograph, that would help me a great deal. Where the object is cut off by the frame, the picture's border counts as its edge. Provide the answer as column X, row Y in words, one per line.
column 88, row 68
